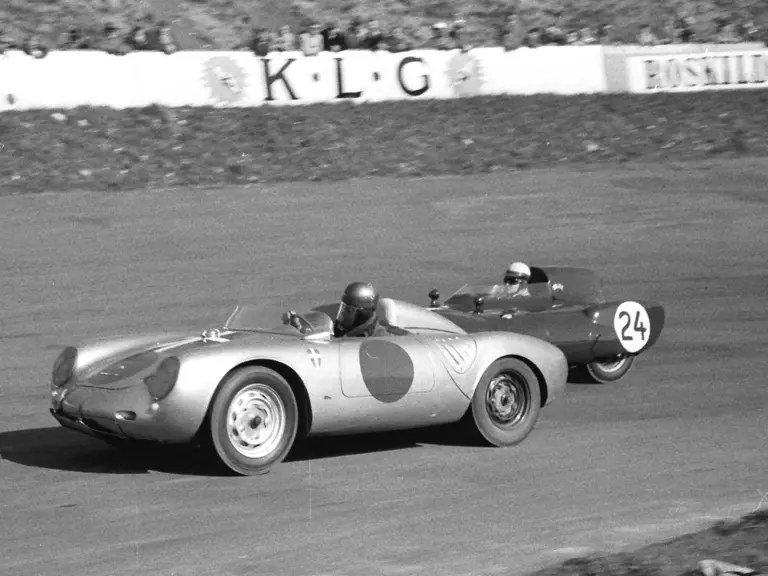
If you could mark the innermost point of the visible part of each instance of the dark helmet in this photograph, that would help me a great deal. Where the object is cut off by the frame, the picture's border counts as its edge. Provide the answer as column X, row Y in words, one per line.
column 358, row 306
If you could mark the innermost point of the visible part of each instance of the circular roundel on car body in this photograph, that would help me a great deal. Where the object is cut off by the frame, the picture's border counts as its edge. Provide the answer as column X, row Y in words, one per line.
column 632, row 326
column 387, row 370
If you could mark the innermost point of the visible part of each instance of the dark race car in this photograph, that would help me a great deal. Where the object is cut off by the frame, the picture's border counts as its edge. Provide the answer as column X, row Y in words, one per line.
column 564, row 306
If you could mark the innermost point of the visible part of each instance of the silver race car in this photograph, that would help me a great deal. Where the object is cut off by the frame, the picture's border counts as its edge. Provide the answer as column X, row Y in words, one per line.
column 246, row 392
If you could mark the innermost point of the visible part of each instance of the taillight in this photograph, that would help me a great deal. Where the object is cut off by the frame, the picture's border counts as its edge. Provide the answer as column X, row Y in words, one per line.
column 64, row 367
column 162, row 381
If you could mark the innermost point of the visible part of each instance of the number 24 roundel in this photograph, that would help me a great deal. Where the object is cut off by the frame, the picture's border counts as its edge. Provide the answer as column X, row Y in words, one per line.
column 632, row 326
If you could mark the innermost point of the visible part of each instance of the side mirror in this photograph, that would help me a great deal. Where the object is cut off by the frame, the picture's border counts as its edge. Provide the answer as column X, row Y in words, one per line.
column 434, row 299
column 479, row 301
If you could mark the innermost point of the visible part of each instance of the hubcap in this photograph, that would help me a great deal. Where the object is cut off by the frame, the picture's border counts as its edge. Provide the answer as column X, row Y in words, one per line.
column 613, row 365
column 508, row 399
column 256, row 421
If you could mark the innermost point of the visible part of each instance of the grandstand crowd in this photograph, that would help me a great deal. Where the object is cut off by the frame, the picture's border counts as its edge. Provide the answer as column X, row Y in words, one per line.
column 314, row 37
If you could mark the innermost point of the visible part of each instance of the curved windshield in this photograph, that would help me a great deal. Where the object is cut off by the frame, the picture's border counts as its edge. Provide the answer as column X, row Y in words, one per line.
column 251, row 318
column 475, row 290
column 488, row 291
column 496, row 291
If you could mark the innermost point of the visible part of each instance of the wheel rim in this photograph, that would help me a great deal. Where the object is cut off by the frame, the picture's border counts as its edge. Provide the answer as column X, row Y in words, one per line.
column 256, row 421
column 508, row 399
column 612, row 365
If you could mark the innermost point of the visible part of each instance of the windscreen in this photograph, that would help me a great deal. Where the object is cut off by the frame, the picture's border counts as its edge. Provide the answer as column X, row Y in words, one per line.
column 474, row 290
column 248, row 317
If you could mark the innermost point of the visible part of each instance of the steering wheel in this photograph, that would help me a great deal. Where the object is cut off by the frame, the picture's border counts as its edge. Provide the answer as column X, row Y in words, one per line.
column 297, row 321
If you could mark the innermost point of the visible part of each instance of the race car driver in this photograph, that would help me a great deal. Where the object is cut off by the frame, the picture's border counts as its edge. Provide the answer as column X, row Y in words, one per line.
column 516, row 280
column 357, row 313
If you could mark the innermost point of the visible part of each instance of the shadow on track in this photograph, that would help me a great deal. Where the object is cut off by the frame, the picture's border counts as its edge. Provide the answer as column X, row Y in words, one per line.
column 337, row 446
column 57, row 448
column 60, row 449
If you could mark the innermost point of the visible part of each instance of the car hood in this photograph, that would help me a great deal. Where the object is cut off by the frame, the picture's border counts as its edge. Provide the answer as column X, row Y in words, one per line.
column 123, row 362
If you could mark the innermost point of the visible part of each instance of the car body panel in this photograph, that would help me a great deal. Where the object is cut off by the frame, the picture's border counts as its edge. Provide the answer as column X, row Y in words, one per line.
column 351, row 385
column 386, row 368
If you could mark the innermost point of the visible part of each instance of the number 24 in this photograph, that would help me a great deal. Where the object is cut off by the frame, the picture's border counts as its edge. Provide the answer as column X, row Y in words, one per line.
column 638, row 327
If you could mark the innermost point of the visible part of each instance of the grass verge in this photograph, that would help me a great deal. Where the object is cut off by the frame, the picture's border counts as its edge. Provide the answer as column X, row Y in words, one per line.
column 743, row 542
column 104, row 149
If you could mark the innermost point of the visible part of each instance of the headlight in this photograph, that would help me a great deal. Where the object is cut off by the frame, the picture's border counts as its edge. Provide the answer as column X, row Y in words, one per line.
column 163, row 380
column 64, row 367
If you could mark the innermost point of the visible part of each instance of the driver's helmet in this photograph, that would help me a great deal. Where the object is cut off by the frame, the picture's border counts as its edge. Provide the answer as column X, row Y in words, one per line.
column 517, row 273
column 358, row 306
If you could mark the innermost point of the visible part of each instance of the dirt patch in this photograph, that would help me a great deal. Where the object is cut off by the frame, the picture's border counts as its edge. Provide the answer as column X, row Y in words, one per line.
column 743, row 542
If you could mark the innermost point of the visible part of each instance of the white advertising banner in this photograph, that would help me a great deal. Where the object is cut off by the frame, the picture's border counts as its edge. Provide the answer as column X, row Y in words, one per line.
column 698, row 72
column 241, row 79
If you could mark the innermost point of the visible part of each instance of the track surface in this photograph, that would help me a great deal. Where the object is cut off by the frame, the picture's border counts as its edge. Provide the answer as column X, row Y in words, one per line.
column 680, row 442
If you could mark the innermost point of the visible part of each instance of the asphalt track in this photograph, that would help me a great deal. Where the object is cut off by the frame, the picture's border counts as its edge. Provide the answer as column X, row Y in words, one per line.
column 680, row 442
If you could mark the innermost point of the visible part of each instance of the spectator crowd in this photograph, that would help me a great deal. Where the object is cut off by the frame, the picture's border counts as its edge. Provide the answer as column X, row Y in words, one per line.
column 313, row 37
column 146, row 34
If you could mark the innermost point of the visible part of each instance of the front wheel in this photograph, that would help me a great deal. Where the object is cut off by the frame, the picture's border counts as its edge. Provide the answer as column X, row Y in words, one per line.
column 605, row 371
column 506, row 403
column 253, row 420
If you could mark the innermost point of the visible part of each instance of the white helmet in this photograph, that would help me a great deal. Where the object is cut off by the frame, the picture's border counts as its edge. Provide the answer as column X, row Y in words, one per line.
column 517, row 271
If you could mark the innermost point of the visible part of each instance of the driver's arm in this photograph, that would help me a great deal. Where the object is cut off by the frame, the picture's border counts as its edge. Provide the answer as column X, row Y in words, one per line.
column 291, row 318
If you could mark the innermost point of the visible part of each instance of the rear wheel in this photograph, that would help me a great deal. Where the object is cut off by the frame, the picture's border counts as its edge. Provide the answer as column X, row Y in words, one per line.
column 610, row 370
column 506, row 403
column 253, row 420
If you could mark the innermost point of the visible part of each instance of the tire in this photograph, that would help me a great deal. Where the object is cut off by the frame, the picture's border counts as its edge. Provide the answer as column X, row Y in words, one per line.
column 490, row 418
column 612, row 370
column 253, row 420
